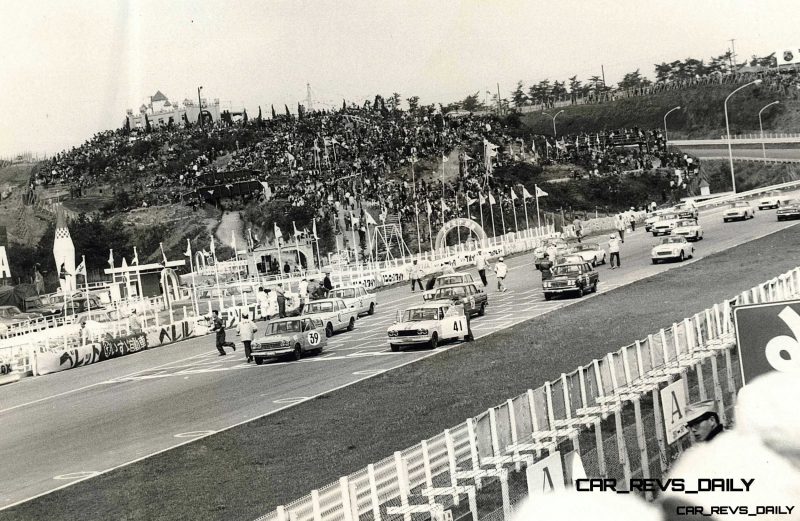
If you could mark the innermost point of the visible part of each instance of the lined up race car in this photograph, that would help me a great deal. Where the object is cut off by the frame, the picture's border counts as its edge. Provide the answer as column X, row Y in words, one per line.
column 591, row 252
column 672, row 248
column 428, row 324
column 773, row 200
column 571, row 278
column 738, row 211
column 688, row 228
column 357, row 298
column 473, row 299
column 289, row 336
column 334, row 314
column 790, row 211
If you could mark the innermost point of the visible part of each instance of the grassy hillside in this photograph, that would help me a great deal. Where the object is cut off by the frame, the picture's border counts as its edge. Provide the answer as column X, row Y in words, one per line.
column 701, row 116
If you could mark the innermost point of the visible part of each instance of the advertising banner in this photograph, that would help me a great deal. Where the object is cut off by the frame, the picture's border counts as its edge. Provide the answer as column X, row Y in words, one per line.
column 768, row 338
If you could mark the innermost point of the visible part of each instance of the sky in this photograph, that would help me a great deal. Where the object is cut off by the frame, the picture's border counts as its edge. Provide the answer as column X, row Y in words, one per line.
column 70, row 69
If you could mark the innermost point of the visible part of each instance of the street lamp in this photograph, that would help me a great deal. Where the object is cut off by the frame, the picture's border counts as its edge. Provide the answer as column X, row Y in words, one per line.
column 728, row 128
column 761, row 126
column 666, row 141
column 554, row 121
column 200, row 107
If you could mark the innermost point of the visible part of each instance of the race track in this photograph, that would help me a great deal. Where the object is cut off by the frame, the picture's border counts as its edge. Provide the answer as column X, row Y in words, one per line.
column 67, row 426
column 750, row 151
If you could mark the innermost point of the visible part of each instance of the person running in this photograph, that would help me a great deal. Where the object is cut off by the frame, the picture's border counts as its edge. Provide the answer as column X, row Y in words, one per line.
column 245, row 331
column 219, row 327
column 613, row 250
column 501, row 270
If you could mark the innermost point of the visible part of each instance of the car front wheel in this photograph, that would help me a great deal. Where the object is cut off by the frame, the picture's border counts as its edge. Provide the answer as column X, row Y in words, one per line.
column 482, row 310
column 352, row 324
column 297, row 354
column 681, row 257
column 329, row 330
column 395, row 348
column 434, row 343
column 258, row 360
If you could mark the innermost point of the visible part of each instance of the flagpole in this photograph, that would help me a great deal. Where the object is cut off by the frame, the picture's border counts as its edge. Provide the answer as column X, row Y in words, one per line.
column 502, row 215
column 416, row 207
column 514, row 207
column 430, row 232
column 525, row 205
column 297, row 246
column 480, row 203
column 316, row 241
column 538, row 218
column 458, row 228
column 195, row 304
column 491, row 213
column 138, row 273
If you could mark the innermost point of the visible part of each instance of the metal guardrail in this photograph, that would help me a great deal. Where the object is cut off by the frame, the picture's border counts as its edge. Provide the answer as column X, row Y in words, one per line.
column 751, row 159
column 749, row 193
column 746, row 139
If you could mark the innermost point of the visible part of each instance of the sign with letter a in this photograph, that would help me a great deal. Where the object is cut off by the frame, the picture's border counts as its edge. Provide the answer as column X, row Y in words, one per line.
column 5, row 269
column 768, row 337
column 546, row 475
column 673, row 406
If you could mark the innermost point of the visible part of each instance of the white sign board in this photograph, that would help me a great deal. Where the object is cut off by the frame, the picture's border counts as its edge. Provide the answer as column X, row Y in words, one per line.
column 788, row 56
column 673, row 405
column 574, row 467
column 546, row 475
column 5, row 270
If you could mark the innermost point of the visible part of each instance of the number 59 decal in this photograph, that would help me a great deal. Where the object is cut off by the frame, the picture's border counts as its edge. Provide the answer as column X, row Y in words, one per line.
column 314, row 338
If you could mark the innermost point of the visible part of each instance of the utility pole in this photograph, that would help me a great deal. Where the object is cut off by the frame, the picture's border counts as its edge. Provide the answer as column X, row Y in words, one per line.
column 603, row 73
column 498, row 100
column 309, row 99
column 200, row 106
column 733, row 53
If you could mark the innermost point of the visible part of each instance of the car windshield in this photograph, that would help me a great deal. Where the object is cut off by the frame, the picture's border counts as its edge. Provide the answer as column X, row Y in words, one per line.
column 34, row 302
column 740, row 204
column 277, row 328
column 319, row 307
column 672, row 240
column 589, row 246
column 569, row 269
column 451, row 279
column 451, row 292
column 344, row 293
column 685, row 223
column 420, row 314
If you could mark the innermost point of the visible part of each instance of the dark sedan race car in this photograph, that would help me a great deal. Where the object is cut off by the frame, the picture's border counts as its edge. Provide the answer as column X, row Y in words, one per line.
column 790, row 211
column 571, row 278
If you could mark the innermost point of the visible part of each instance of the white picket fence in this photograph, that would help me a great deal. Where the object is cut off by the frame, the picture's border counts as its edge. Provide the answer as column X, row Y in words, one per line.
column 445, row 472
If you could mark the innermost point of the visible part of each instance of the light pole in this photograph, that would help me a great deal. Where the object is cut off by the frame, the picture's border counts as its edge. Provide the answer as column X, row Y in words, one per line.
column 666, row 141
column 728, row 128
column 761, row 126
column 200, row 106
column 554, row 121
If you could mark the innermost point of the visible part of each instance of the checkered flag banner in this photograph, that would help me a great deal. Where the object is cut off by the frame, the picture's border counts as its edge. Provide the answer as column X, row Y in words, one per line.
column 62, row 233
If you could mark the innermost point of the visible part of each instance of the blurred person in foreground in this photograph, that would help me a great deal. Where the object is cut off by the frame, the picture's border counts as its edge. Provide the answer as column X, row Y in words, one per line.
column 702, row 421
column 763, row 446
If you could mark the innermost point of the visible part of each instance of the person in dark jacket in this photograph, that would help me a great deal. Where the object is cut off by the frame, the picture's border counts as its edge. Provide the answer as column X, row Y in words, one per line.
column 219, row 327
column 702, row 421
column 545, row 266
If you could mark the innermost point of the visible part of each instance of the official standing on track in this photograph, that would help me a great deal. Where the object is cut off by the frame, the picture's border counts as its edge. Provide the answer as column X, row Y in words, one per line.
column 219, row 327
column 263, row 302
column 281, row 294
column 416, row 276
column 501, row 270
column 620, row 223
column 303, row 291
column 613, row 250
column 245, row 331
column 544, row 267
column 480, row 264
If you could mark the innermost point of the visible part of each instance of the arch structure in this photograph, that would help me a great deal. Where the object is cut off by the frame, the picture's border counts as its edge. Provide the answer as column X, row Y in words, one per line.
column 469, row 224
column 171, row 285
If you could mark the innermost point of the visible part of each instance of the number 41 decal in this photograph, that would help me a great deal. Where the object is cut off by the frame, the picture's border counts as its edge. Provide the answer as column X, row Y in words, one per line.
column 458, row 326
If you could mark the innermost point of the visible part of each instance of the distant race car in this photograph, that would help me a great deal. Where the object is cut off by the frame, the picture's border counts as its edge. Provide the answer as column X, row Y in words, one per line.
column 561, row 249
column 665, row 225
column 654, row 218
column 790, row 210
column 688, row 228
column 447, row 280
column 356, row 297
column 686, row 210
column 428, row 324
column 591, row 252
column 333, row 312
column 672, row 248
column 738, row 211
column 577, row 278
column 470, row 296
column 289, row 336
column 773, row 200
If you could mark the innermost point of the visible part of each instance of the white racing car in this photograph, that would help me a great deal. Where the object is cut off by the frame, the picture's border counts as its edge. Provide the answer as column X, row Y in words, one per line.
column 738, row 211
column 773, row 200
column 665, row 225
column 590, row 252
column 688, row 228
column 672, row 248
column 333, row 312
column 428, row 324
column 356, row 297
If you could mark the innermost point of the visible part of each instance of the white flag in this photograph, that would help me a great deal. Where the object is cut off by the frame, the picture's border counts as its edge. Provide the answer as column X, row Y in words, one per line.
column 188, row 251
column 428, row 207
column 111, row 258
column 370, row 220
column 513, row 195
column 470, row 202
column 491, row 199
column 296, row 233
column 314, row 229
column 81, row 269
column 525, row 193
column 445, row 159
column 481, row 199
column 540, row 192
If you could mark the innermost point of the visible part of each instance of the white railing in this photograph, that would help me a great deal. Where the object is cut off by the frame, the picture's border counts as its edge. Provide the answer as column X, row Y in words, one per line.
column 749, row 193
column 439, row 472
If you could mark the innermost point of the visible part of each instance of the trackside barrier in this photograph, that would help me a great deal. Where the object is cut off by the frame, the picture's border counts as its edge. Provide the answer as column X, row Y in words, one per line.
column 571, row 413
column 741, row 195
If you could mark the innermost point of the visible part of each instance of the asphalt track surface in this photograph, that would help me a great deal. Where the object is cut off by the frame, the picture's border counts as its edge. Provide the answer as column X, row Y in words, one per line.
column 69, row 426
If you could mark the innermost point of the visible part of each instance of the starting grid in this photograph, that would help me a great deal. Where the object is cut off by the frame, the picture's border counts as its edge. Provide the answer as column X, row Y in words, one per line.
column 606, row 412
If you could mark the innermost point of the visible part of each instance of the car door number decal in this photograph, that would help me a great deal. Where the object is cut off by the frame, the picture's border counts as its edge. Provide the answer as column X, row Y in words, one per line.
column 313, row 338
column 458, row 326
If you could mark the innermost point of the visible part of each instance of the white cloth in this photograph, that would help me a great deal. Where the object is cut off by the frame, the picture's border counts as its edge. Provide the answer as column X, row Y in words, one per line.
column 302, row 289
column 246, row 329
column 501, row 270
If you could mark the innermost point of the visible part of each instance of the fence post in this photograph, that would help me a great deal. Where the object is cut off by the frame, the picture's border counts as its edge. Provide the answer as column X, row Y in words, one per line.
column 505, row 494
column 373, row 493
column 402, row 482
column 451, row 460
column 640, row 439
column 512, row 417
column 473, row 449
column 281, row 513
column 344, row 491
column 426, row 463
column 315, row 505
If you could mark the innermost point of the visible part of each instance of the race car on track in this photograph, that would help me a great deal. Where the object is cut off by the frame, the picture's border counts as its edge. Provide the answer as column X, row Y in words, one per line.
column 591, row 252
column 665, row 225
column 688, row 228
column 428, row 324
column 738, row 211
column 289, row 336
column 577, row 278
column 333, row 313
column 672, row 248
column 473, row 299
column 572, row 258
column 654, row 218
column 789, row 211
column 773, row 200
column 447, row 280
column 686, row 210
column 356, row 297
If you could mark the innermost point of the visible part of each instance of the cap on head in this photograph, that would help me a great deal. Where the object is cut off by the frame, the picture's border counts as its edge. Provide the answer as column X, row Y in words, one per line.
column 501, row 258
column 697, row 411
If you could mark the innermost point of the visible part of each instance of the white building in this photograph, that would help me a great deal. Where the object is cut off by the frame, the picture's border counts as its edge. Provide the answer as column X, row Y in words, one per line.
column 161, row 111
